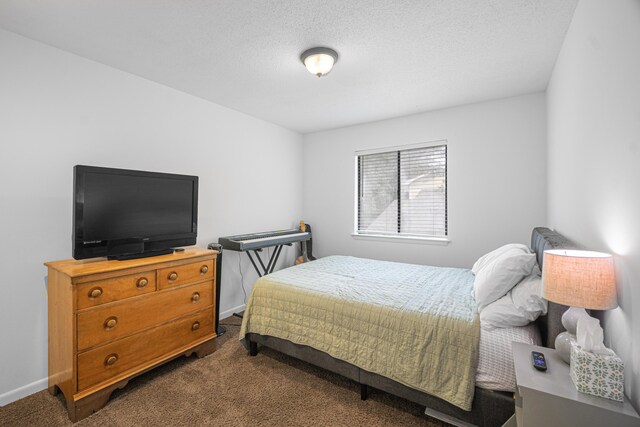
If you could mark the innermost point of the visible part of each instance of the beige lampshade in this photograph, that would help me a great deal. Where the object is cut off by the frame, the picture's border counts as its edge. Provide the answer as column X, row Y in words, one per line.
column 583, row 279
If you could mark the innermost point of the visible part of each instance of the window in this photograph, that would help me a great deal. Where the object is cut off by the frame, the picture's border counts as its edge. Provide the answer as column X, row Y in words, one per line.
column 403, row 192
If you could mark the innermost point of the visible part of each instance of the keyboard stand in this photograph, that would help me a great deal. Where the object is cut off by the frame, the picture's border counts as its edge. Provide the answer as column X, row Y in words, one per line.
column 270, row 265
column 272, row 260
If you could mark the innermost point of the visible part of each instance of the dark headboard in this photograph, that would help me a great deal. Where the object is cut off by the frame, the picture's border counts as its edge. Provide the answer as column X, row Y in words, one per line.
column 542, row 239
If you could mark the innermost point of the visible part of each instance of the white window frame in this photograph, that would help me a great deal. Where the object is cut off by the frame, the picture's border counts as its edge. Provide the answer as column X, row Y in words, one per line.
column 389, row 238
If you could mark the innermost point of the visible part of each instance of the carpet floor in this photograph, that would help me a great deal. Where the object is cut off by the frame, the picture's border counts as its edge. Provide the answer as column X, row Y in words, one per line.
column 229, row 388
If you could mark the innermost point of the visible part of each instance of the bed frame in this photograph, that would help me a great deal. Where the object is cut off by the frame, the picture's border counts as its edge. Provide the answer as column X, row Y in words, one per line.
column 489, row 408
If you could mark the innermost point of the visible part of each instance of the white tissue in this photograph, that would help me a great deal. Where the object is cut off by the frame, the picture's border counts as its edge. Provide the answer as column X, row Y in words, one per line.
column 590, row 336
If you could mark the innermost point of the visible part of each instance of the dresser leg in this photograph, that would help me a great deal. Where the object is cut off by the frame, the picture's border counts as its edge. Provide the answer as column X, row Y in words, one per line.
column 86, row 406
column 53, row 390
column 205, row 349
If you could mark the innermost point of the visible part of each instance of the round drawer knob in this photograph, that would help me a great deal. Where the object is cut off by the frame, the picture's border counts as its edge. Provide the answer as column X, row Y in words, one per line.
column 95, row 292
column 195, row 326
column 173, row 276
column 110, row 323
column 142, row 282
column 111, row 359
column 204, row 269
column 195, row 297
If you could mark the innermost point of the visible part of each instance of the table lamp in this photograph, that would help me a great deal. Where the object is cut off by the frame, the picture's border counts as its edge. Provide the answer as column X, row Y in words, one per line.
column 581, row 280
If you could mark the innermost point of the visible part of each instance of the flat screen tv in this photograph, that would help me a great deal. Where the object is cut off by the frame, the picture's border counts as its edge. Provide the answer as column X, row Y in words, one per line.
column 125, row 214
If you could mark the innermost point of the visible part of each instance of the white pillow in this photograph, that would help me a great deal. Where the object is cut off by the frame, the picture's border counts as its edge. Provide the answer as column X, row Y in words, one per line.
column 527, row 296
column 497, row 277
column 521, row 306
column 491, row 256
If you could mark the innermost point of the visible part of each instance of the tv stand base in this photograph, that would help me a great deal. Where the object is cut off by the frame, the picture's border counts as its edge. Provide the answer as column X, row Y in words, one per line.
column 140, row 255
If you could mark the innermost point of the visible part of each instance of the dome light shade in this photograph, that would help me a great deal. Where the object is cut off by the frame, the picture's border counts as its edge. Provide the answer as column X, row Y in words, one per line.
column 319, row 60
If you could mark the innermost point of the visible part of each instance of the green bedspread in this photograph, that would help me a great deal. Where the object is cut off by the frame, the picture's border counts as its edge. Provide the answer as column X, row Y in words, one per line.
column 414, row 324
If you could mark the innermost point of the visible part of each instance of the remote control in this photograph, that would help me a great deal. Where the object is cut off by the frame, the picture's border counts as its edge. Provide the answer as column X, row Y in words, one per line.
column 539, row 361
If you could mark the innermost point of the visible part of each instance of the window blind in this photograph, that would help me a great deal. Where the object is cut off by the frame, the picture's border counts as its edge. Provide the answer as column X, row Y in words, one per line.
column 403, row 192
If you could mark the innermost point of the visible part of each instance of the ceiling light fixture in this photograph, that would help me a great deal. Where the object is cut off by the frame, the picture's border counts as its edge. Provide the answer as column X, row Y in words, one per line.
column 319, row 60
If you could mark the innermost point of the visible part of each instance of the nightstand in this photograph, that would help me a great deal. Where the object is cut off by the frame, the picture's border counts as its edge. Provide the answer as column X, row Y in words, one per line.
column 546, row 399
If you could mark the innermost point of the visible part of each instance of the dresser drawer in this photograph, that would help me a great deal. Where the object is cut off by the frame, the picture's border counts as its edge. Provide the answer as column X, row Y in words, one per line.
column 99, row 292
column 105, row 323
column 184, row 274
column 112, row 359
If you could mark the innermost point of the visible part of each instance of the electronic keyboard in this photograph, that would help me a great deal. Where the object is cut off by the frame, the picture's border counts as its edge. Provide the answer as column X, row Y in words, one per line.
column 255, row 241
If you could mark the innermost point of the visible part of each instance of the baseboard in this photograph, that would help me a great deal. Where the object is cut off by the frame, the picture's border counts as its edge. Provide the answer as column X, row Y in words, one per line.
column 229, row 313
column 24, row 391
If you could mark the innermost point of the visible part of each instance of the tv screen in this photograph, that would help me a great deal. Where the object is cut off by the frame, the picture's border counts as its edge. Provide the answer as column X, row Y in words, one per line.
column 125, row 214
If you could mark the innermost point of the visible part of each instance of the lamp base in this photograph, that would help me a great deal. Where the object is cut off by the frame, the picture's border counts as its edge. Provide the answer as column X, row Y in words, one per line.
column 563, row 346
column 570, row 322
column 570, row 319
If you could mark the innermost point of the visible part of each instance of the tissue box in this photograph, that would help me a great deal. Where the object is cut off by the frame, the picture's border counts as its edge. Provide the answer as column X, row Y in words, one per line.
column 597, row 374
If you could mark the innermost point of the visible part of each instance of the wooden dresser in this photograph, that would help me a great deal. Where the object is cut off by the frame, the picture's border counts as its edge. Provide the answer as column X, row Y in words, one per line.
column 112, row 320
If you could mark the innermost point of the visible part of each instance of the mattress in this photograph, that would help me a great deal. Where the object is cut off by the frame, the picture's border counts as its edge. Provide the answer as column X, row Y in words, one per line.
column 495, row 361
column 417, row 325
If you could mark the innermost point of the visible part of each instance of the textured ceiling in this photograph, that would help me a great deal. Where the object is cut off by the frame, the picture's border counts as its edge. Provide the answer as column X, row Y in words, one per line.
column 396, row 57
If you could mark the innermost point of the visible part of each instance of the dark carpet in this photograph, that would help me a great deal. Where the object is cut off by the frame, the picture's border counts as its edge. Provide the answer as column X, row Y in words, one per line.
column 229, row 388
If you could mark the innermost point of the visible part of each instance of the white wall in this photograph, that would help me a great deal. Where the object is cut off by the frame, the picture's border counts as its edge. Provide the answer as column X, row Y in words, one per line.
column 58, row 110
column 496, row 179
column 594, row 156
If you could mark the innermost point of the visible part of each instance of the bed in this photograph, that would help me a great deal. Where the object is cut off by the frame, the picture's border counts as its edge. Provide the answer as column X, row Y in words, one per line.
column 423, row 342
